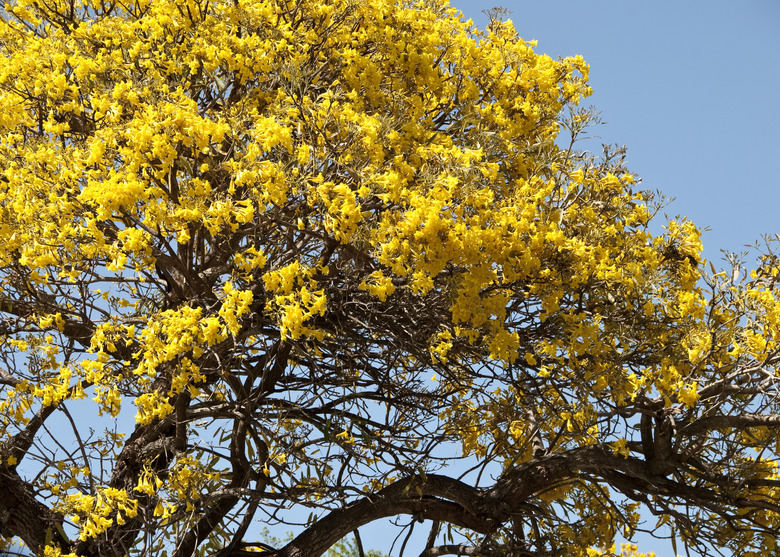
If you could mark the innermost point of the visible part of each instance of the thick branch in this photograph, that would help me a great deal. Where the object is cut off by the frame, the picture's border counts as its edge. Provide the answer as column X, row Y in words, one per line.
column 422, row 498
column 23, row 516
column 708, row 423
column 441, row 498
column 452, row 549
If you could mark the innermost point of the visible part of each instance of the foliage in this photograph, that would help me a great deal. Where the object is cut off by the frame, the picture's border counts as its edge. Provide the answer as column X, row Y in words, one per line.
column 322, row 250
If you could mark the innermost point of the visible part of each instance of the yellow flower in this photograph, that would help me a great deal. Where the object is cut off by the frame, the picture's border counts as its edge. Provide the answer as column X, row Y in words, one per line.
column 346, row 437
column 621, row 447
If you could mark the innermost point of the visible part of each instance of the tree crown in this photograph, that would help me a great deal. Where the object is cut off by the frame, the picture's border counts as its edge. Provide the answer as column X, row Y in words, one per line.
column 321, row 250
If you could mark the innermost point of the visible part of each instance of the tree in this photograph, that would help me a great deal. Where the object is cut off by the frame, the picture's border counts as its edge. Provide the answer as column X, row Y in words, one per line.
column 321, row 251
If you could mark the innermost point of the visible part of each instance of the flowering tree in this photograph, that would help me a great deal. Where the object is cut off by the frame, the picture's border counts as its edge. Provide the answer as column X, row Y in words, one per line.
column 316, row 251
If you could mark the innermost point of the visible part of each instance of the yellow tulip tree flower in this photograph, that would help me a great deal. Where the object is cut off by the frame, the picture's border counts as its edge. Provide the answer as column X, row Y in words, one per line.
column 326, row 257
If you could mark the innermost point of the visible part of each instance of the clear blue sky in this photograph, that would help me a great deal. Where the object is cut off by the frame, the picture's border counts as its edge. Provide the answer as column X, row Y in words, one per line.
column 692, row 89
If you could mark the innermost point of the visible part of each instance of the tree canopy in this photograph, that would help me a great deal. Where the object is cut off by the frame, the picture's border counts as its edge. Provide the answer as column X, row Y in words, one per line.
column 270, row 259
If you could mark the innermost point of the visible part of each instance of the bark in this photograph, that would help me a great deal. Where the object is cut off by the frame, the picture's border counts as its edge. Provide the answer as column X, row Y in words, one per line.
column 23, row 516
column 453, row 549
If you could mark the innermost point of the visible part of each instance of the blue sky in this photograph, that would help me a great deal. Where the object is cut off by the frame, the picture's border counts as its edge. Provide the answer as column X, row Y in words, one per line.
column 691, row 88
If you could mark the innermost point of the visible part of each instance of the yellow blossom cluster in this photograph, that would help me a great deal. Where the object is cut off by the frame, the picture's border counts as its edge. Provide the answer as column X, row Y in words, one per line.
column 96, row 513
